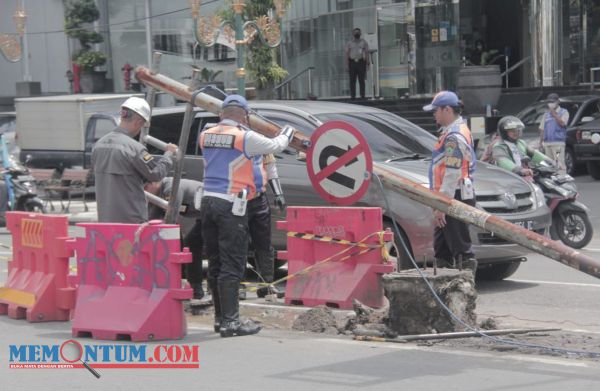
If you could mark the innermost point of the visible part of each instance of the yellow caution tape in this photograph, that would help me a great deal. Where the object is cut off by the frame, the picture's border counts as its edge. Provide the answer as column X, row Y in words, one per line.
column 253, row 286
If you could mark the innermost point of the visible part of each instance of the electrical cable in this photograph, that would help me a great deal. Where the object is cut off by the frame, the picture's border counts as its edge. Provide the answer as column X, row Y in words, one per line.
column 460, row 321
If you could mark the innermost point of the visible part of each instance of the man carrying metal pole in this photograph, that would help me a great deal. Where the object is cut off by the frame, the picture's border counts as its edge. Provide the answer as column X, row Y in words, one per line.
column 122, row 165
column 450, row 173
column 189, row 196
column 228, row 150
column 259, row 220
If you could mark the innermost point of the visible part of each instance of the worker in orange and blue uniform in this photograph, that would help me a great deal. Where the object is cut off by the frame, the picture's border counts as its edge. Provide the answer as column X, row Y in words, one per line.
column 228, row 151
column 450, row 173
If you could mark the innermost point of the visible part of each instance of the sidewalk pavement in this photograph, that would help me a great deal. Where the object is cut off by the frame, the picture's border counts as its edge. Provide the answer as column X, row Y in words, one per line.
column 77, row 212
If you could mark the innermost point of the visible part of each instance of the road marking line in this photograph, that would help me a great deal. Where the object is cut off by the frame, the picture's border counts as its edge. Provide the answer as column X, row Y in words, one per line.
column 497, row 355
column 555, row 283
column 591, row 249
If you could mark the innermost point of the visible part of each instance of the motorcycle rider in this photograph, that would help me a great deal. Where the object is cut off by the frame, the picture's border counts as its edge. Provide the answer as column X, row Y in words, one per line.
column 511, row 152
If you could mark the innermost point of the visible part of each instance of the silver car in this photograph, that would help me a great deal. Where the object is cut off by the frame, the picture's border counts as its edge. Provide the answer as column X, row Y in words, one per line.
column 400, row 146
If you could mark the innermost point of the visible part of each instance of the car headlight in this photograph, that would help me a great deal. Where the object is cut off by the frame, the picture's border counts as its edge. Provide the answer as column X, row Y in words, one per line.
column 539, row 198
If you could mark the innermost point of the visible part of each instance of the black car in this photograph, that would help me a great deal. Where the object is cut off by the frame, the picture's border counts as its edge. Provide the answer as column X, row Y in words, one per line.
column 583, row 111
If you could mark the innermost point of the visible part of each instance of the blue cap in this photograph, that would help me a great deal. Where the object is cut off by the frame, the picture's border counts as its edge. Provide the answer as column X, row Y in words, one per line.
column 235, row 100
column 442, row 99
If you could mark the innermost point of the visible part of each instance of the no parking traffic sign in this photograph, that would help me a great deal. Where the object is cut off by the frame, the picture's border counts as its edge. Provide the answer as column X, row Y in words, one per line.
column 339, row 162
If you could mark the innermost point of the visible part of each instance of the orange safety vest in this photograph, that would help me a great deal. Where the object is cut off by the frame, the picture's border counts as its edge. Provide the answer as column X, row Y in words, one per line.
column 228, row 169
column 437, row 170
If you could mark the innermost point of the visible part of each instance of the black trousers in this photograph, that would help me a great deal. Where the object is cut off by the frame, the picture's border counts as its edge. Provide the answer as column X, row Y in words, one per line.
column 225, row 238
column 358, row 70
column 259, row 225
column 453, row 240
column 193, row 240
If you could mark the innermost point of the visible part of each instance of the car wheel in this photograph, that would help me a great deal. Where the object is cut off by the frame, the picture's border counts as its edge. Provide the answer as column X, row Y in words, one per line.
column 594, row 169
column 404, row 261
column 497, row 271
column 570, row 161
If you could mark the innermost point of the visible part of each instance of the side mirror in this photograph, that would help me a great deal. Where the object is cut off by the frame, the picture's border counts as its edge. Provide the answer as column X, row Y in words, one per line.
column 586, row 119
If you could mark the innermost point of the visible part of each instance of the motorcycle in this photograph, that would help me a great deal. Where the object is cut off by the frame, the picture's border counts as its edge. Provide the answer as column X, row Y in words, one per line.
column 570, row 220
column 21, row 186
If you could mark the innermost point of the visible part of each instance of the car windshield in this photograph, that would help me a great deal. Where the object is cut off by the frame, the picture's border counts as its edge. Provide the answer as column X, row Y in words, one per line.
column 389, row 136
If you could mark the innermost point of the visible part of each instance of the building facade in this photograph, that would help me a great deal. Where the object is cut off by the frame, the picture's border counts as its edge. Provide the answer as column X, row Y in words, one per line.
column 418, row 46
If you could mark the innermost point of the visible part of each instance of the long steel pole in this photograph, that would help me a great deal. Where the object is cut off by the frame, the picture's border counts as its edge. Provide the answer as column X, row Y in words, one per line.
column 413, row 190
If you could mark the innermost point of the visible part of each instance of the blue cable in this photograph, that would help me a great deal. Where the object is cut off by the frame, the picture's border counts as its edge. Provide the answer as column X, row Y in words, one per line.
column 457, row 319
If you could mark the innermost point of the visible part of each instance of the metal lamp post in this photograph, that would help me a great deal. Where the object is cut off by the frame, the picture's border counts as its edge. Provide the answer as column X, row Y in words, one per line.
column 208, row 29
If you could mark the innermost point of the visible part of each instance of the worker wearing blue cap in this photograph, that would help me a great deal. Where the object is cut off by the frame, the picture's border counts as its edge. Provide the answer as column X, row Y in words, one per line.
column 229, row 149
column 450, row 173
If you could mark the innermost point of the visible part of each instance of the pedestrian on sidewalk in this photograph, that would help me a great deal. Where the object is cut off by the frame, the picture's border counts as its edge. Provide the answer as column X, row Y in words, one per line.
column 356, row 60
column 122, row 165
column 553, row 132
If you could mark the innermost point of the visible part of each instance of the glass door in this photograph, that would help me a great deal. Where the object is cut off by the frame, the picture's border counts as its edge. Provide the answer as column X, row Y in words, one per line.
column 393, row 55
column 438, row 45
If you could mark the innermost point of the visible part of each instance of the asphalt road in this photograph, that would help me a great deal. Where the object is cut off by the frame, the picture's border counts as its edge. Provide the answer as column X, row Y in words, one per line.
column 543, row 293
column 546, row 293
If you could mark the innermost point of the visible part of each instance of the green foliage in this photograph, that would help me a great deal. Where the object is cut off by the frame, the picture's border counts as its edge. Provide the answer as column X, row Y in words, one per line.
column 208, row 75
column 78, row 13
column 260, row 59
column 90, row 59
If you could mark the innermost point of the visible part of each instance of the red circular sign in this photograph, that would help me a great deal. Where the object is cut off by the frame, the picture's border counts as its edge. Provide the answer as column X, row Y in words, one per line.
column 339, row 162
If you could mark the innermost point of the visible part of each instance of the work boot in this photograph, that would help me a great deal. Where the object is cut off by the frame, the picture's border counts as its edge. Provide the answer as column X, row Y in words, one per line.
column 265, row 267
column 269, row 290
column 230, row 320
column 470, row 264
column 213, row 286
column 198, row 291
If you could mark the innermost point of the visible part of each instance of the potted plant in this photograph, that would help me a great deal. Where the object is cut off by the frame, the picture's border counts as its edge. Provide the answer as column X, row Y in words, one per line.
column 78, row 14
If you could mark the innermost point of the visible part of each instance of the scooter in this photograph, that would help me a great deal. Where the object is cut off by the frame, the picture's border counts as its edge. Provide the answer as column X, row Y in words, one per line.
column 570, row 220
column 21, row 187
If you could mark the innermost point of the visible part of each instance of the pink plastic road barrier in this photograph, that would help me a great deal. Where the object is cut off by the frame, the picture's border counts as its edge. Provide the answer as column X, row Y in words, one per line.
column 316, row 234
column 37, row 287
column 129, row 282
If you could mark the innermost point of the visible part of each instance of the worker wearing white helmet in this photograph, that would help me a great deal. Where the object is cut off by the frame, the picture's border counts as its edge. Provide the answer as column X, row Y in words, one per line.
column 122, row 166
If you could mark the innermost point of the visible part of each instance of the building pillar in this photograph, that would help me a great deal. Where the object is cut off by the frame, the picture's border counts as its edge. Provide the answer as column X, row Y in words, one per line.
column 545, row 18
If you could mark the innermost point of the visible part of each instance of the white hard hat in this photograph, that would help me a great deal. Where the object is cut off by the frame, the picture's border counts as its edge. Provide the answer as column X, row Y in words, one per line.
column 139, row 106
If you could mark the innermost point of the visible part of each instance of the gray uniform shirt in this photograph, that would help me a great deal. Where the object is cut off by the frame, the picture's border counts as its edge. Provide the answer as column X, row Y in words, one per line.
column 357, row 49
column 121, row 166
column 185, row 197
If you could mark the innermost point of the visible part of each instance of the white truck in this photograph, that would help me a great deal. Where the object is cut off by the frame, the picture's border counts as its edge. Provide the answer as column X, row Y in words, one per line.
column 60, row 131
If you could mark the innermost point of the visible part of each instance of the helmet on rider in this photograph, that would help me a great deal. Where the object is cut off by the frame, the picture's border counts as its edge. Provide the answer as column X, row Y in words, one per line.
column 510, row 128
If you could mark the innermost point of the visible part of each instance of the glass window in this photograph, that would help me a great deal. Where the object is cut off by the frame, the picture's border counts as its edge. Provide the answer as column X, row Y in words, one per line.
column 102, row 127
column 592, row 109
column 389, row 136
column 167, row 128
